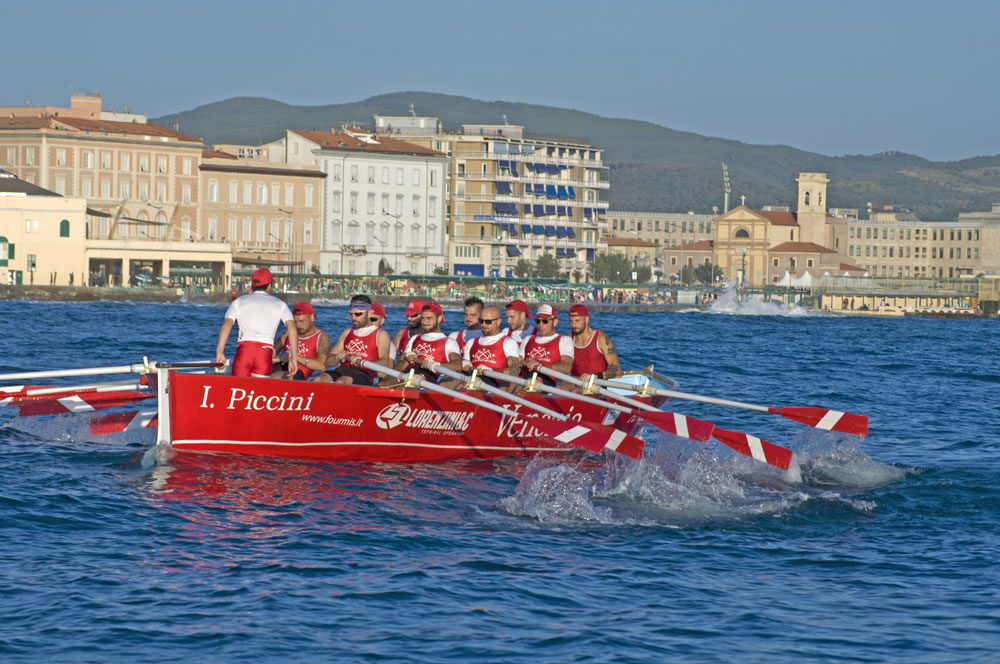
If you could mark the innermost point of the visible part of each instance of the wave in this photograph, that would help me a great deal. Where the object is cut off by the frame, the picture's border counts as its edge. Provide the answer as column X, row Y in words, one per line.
column 729, row 303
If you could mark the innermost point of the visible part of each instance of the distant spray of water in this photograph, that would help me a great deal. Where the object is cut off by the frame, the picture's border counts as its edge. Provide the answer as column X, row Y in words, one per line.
column 729, row 303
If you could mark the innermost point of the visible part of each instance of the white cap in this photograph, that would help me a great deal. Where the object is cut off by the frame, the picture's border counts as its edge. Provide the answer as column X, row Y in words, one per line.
column 546, row 311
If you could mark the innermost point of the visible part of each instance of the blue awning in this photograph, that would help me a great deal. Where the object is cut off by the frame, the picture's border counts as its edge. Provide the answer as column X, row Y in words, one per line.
column 560, row 253
column 550, row 230
column 572, row 233
column 499, row 147
column 512, row 230
column 525, row 228
column 590, row 254
column 506, row 208
column 513, row 251
column 540, row 189
column 550, row 191
column 587, row 213
column 504, row 163
column 553, row 169
column 571, row 253
column 527, row 208
column 538, row 229
column 513, row 169
column 541, row 167
column 530, row 166
column 562, row 192
column 572, row 193
column 550, row 209
column 538, row 211
column 512, row 147
column 503, row 188
column 561, row 231
column 561, row 210
column 468, row 269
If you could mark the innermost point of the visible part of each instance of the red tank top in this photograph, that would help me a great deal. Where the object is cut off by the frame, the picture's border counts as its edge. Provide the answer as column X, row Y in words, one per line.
column 307, row 348
column 547, row 353
column 404, row 340
column 491, row 357
column 588, row 359
column 433, row 349
column 366, row 347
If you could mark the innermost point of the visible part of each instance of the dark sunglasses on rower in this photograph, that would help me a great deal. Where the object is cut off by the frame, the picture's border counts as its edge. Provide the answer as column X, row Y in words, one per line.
column 542, row 320
column 357, row 314
column 488, row 321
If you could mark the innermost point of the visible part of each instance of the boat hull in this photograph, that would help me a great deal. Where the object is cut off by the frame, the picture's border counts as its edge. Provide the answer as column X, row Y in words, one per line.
column 350, row 423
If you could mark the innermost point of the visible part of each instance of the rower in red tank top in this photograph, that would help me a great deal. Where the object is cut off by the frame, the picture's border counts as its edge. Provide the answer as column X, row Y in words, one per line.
column 313, row 344
column 494, row 350
column 362, row 341
column 431, row 346
column 412, row 329
column 594, row 352
column 547, row 348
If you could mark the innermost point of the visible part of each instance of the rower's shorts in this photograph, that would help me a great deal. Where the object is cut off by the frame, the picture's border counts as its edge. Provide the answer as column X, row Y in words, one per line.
column 358, row 376
column 253, row 358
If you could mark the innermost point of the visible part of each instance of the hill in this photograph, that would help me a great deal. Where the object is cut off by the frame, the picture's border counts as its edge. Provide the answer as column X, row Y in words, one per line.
column 652, row 167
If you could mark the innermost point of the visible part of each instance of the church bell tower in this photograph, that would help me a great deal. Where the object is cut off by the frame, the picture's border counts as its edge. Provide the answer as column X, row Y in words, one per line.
column 812, row 207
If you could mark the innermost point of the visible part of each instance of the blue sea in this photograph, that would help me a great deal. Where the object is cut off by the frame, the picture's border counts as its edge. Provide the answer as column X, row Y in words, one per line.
column 871, row 550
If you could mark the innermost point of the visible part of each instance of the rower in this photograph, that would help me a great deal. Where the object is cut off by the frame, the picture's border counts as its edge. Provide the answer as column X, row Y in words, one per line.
column 402, row 338
column 473, row 310
column 377, row 317
column 362, row 341
column 517, row 320
column 493, row 350
column 258, row 314
column 594, row 354
column 431, row 345
column 548, row 348
column 314, row 345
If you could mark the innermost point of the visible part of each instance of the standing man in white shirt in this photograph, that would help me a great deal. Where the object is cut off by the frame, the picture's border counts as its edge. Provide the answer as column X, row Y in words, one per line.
column 258, row 314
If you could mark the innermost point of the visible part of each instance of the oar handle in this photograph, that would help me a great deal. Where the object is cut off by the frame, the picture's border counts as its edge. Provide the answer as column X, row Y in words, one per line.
column 437, row 368
column 62, row 373
column 551, row 389
column 573, row 380
column 685, row 396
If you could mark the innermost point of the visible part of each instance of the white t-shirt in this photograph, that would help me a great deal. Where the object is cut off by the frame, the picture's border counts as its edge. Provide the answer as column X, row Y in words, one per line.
column 520, row 335
column 467, row 335
column 450, row 346
column 509, row 346
column 565, row 344
column 258, row 316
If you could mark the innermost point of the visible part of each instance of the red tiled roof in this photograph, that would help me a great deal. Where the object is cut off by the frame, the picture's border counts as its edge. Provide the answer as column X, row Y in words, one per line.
column 847, row 267
column 345, row 141
column 217, row 154
column 24, row 123
column 627, row 242
column 801, row 248
column 109, row 126
column 700, row 245
column 779, row 218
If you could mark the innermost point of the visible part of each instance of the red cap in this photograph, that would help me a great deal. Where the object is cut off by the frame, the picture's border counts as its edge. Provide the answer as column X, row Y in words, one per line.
column 378, row 309
column 434, row 307
column 578, row 310
column 303, row 308
column 414, row 307
column 546, row 311
column 261, row 277
column 519, row 305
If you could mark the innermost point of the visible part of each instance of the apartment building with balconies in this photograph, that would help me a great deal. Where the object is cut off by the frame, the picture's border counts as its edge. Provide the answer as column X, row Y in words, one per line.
column 513, row 196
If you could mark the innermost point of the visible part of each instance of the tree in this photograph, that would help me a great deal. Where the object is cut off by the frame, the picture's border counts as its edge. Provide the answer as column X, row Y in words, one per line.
column 643, row 274
column 577, row 276
column 611, row 267
column 547, row 266
column 441, row 270
column 707, row 272
column 524, row 268
column 687, row 274
column 384, row 268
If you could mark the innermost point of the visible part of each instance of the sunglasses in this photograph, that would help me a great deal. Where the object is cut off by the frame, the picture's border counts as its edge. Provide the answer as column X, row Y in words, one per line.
column 544, row 320
column 488, row 321
column 358, row 314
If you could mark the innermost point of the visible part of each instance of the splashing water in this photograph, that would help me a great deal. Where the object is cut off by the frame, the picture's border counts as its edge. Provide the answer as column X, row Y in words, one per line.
column 729, row 303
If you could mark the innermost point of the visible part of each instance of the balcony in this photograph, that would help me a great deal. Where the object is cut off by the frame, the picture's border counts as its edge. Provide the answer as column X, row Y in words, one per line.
column 532, row 157
column 534, row 179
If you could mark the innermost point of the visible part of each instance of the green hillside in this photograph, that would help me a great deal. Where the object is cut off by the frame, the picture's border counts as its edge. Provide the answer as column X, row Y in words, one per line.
column 652, row 167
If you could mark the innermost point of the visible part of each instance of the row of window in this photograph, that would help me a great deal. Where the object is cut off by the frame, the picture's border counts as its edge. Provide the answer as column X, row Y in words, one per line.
column 668, row 227
column 415, row 207
column 918, row 271
column 386, row 173
column 275, row 232
column 260, row 193
column 914, row 233
column 142, row 161
column 905, row 252
column 353, row 235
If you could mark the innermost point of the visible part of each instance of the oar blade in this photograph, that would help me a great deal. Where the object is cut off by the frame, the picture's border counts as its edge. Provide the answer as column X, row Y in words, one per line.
column 77, row 403
column 679, row 425
column 827, row 419
column 120, row 422
column 755, row 448
column 592, row 437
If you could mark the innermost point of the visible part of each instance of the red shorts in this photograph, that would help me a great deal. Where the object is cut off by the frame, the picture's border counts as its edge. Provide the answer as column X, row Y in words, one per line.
column 253, row 359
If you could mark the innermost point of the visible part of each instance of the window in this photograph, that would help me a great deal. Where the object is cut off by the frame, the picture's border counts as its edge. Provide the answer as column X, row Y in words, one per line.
column 187, row 166
column 60, row 185
column 275, row 235
column 309, row 195
column 143, row 191
column 161, row 192
column 186, row 193
column 742, row 234
column 29, row 156
column 354, row 202
column 336, row 172
column 307, row 233
column 416, row 205
column 234, row 192
column 289, row 194
column 60, row 157
column 335, row 201
column 247, row 230
column 105, row 188
column 144, row 163
column 354, row 172
column 275, row 193
column 185, row 230
column 87, row 187
column 432, row 206
column 885, row 232
column 399, row 176
column 261, row 231
column 12, row 156
column 371, row 175
column 213, row 191
column 124, row 190
column 247, row 193
column 161, row 164
column 64, row 228
column 415, row 236
column 850, row 232
column 371, row 202
column 775, row 262
column 261, row 194
column 385, row 175
column 432, row 177
column 370, row 232
column 399, row 205
column 868, row 233
column 385, row 203
column 809, row 262
column 232, row 229
column 213, row 228
column 416, row 177
column 124, row 165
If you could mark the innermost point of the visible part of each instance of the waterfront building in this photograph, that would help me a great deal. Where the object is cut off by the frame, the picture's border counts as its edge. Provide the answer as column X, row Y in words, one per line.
column 383, row 200
column 269, row 214
column 513, row 196
column 664, row 229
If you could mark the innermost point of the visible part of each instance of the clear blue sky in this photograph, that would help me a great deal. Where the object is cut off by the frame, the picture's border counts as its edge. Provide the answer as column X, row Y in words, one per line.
column 843, row 77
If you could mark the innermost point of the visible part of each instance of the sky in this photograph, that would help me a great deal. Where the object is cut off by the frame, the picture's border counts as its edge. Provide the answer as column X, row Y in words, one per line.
column 845, row 77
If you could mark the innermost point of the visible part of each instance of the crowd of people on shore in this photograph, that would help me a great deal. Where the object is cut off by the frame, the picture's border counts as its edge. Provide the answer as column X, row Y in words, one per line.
column 304, row 352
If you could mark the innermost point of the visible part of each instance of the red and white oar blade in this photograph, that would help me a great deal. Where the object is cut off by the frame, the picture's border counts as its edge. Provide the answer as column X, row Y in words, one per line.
column 677, row 424
column 592, row 437
column 78, row 403
column 119, row 422
column 826, row 419
column 754, row 447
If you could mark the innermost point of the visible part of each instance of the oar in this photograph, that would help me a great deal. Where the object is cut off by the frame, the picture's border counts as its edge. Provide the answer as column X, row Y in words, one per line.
column 119, row 422
column 680, row 425
column 592, row 437
column 819, row 418
column 60, row 373
column 743, row 443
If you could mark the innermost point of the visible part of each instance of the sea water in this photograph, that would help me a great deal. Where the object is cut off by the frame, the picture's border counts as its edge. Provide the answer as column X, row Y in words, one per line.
column 876, row 549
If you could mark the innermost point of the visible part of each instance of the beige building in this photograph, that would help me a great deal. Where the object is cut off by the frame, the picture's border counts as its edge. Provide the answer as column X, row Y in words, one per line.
column 270, row 214
column 640, row 253
column 665, row 229
column 512, row 196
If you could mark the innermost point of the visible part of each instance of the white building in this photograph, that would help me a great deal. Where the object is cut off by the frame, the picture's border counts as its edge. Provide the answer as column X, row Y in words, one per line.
column 383, row 200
